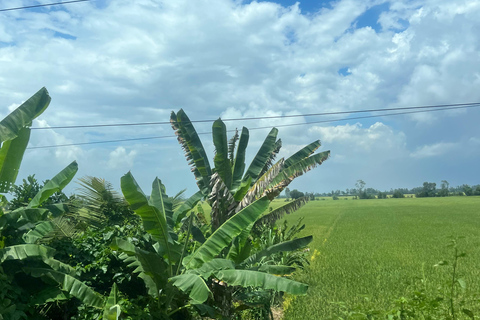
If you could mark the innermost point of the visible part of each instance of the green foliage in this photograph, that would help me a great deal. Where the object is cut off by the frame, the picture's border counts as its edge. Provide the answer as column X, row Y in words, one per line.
column 429, row 190
column 295, row 194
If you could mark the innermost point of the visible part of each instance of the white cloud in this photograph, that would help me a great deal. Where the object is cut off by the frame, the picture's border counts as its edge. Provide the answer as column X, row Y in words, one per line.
column 121, row 159
column 434, row 150
column 136, row 61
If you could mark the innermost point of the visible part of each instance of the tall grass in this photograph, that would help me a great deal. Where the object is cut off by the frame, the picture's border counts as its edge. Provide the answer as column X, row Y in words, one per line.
column 371, row 252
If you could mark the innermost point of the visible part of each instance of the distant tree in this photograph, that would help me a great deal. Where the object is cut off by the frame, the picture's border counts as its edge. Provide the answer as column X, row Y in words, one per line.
column 287, row 193
column 398, row 194
column 360, row 185
column 477, row 191
column 444, row 189
column 429, row 190
column 467, row 189
column 382, row 195
column 295, row 194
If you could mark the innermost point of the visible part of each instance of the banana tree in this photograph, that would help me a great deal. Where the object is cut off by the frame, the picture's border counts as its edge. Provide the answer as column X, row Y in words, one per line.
column 228, row 187
column 191, row 266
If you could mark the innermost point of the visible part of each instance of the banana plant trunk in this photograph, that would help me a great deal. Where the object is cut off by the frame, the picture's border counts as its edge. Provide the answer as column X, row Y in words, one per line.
column 223, row 296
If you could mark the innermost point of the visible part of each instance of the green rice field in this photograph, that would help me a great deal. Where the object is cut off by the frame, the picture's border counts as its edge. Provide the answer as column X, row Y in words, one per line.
column 368, row 253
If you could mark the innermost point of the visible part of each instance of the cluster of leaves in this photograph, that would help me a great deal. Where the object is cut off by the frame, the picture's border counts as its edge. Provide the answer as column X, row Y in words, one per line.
column 99, row 255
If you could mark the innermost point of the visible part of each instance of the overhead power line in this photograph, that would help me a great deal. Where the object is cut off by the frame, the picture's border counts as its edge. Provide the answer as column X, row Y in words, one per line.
column 43, row 5
column 257, row 128
column 459, row 105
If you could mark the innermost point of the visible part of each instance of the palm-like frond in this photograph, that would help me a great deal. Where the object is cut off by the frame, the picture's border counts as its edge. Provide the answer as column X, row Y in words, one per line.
column 232, row 143
column 257, row 190
column 193, row 148
column 262, row 156
column 221, row 200
column 271, row 158
column 271, row 217
column 286, row 176
column 96, row 193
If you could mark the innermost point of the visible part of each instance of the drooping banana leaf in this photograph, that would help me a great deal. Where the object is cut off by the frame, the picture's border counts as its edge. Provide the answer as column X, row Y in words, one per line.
column 22, row 217
column 239, row 165
column 11, row 155
column 194, row 285
column 212, row 266
column 221, row 200
column 14, row 136
column 71, row 285
column 277, row 270
column 58, row 228
column 23, row 115
column 262, row 156
column 280, row 247
column 57, row 183
column 25, row 251
column 221, row 160
column 232, row 144
column 258, row 188
column 272, row 157
column 303, row 153
column 224, row 235
column 286, row 176
column 193, row 148
column 112, row 310
column 278, row 213
column 248, row 278
column 151, row 267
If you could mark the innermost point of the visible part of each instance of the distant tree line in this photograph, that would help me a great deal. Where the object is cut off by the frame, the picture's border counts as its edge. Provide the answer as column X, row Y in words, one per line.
column 429, row 189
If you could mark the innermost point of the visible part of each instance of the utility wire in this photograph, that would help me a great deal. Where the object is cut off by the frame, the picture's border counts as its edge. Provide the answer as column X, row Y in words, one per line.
column 43, row 5
column 461, row 105
column 257, row 128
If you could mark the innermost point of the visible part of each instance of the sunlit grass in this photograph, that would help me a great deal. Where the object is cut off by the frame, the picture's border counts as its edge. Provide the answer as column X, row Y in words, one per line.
column 372, row 251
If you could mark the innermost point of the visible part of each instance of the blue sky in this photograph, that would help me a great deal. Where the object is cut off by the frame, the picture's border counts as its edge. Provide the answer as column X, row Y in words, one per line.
column 122, row 61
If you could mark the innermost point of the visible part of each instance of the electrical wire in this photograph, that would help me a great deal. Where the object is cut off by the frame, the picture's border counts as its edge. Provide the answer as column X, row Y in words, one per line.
column 462, row 105
column 257, row 128
column 42, row 5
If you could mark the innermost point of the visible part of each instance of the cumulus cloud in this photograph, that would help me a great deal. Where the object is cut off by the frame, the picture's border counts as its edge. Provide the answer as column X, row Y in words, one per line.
column 135, row 61
column 121, row 159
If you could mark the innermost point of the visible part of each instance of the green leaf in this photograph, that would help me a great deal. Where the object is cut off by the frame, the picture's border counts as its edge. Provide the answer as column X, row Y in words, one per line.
column 40, row 231
column 56, row 184
column 11, row 155
column 303, row 153
column 25, row 251
column 248, row 278
column 277, row 270
column 212, row 266
column 278, row 213
column 23, row 115
column 193, row 148
column 224, row 235
column 112, row 309
column 222, row 163
column 280, row 247
column 468, row 313
column 194, row 285
column 188, row 205
column 286, row 176
column 69, row 284
column 153, row 212
column 239, row 165
column 262, row 156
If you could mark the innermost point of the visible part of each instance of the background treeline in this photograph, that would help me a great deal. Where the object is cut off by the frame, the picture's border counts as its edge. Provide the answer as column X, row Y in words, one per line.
column 429, row 189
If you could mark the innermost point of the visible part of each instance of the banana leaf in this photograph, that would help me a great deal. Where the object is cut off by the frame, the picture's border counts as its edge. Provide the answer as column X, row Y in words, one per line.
column 262, row 156
column 239, row 165
column 112, row 310
column 194, row 285
column 222, row 163
column 11, row 155
column 223, row 236
column 23, row 115
column 248, row 278
column 280, row 247
column 57, row 183
column 67, row 283
column 303, row 153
